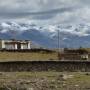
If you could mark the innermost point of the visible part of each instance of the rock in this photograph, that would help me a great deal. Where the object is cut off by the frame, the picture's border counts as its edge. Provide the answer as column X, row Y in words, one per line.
column 76, row 85
column 30, row 89
column 1, row 73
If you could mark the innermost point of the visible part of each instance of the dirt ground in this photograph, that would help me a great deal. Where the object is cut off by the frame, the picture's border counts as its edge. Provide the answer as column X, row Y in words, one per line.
column 44, row 81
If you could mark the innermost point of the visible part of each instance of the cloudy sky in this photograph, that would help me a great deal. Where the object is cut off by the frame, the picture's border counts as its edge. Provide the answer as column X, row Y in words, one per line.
column 45, row 11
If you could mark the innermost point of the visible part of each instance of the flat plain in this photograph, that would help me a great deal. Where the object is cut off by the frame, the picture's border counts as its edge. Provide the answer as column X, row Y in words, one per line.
column 24, row 56
column 45, row 81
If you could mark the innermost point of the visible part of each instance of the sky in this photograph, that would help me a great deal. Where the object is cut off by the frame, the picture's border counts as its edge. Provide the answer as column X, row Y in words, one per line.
column 45, row 11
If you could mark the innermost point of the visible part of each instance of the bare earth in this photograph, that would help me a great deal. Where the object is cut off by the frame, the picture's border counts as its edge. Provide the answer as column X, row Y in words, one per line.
column 44, row 81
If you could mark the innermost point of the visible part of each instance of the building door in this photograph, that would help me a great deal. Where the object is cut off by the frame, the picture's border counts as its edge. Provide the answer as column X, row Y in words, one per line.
column 18, row 46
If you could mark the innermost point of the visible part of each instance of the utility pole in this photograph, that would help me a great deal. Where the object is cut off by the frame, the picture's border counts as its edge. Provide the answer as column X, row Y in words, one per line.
column 58, row 43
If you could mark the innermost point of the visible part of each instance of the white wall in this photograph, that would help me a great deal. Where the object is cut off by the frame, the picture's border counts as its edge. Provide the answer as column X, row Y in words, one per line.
column 3, row 44
column 29, row 44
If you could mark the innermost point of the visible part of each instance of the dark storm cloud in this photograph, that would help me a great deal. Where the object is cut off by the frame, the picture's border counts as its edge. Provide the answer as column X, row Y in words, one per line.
column 36, row 15
column 50, row 10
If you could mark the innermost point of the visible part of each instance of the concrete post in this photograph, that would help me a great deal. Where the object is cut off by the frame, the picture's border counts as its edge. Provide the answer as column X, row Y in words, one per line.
column 21, row 46
column 3, row 44
column 29, row 44
column 15, row 46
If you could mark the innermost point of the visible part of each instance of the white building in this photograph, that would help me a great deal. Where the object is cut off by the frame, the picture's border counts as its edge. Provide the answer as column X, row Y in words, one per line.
column 15, row 44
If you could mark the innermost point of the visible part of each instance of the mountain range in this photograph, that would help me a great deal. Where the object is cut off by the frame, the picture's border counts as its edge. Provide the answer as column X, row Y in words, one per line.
column 69, row 35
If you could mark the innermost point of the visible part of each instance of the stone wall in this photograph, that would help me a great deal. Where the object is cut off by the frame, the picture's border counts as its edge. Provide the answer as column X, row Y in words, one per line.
column 45, row 66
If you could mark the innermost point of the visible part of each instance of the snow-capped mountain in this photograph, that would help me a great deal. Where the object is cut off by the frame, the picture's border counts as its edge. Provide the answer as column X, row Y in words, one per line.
column 70, row 35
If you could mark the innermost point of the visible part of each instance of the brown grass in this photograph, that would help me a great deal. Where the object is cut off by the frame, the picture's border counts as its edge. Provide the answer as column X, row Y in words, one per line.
column 24, row 56
column 45, row 80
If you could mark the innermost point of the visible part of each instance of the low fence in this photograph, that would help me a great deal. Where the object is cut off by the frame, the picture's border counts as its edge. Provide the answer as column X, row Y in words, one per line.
column 27, row 50
column 73, row 66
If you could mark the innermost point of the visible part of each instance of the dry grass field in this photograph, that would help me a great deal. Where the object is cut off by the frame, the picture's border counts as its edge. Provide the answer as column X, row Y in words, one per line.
column 40, row 80
column 44, row 81
column 24, row 56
